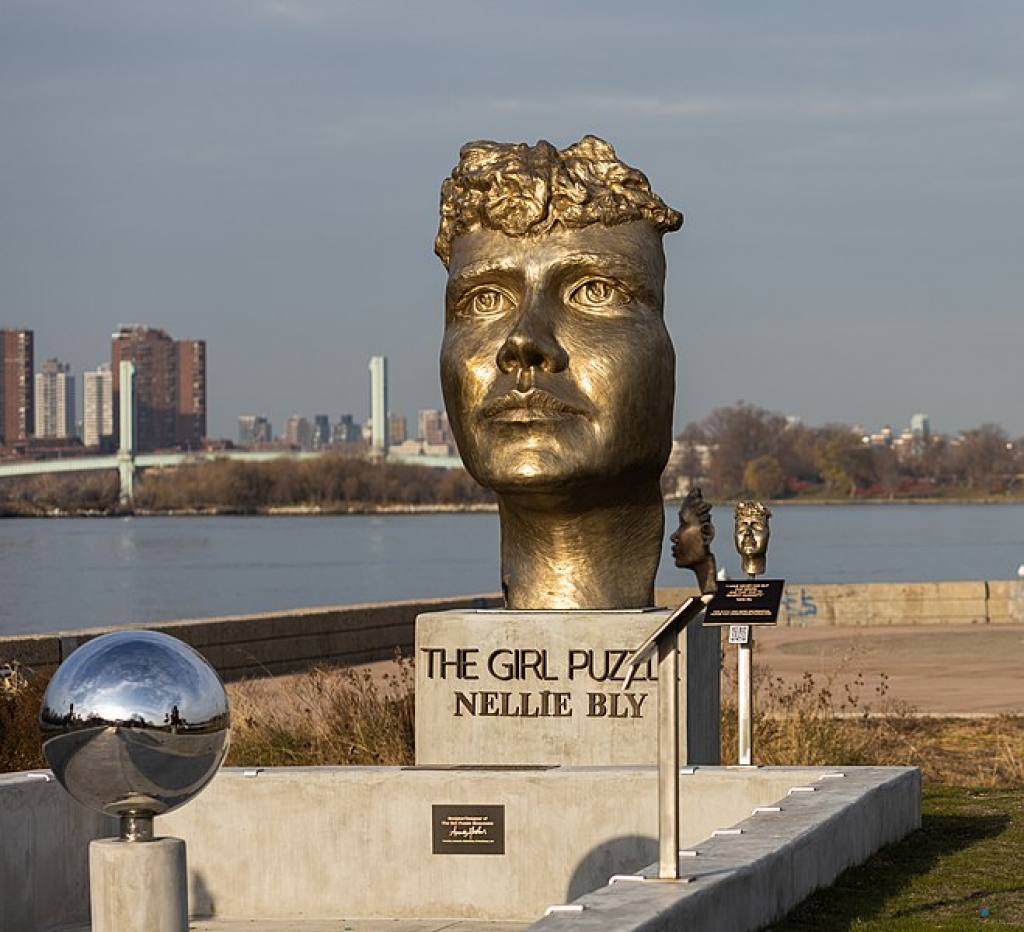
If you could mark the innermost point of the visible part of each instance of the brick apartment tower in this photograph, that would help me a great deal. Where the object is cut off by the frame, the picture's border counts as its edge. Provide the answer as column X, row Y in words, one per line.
column 191, row 393
column 17, row 388
column 170, row 387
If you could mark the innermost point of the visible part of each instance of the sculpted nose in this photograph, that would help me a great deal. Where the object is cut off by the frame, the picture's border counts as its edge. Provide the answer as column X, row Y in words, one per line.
column 532, row 344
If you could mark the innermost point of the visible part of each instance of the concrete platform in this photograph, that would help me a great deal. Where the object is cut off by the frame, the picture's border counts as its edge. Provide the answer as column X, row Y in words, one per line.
column 306, row 849
column 340, row 925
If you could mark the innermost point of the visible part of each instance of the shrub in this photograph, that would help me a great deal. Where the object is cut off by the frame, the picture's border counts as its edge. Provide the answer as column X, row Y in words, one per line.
column 21, row 696
column 811, row 722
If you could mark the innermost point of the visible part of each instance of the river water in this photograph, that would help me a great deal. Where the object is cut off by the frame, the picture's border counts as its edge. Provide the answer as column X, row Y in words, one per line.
column 62, row 574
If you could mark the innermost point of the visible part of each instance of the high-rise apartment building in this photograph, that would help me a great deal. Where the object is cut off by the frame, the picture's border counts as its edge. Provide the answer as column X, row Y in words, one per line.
column 55, row 400
column 17, row 389
column 98, row 408
column 170, row 386
column 191, row 394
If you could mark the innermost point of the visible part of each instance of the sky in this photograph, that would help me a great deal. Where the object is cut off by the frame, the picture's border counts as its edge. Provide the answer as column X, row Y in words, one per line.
column 263, row 175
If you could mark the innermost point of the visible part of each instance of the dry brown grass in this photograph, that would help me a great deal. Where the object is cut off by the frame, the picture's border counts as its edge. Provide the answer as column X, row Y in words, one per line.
column 956, row 751
column 841, row 719
column 330, row 715
column 21, row 696
column 334, row 715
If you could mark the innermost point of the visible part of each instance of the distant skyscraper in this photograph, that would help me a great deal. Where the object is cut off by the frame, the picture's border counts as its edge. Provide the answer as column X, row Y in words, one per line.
column 347, row 430
column 379, row 405
column 321, row 431
column 254, row 429
column 298, row 432
column 98, row 407
column 55, row 400
column 432, row 427
column 398, row 428
column 170, row 386
column 920, row 427
column 17, row 389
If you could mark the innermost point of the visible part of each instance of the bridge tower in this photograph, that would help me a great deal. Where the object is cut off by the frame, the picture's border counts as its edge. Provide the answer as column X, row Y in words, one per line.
column 127, row 447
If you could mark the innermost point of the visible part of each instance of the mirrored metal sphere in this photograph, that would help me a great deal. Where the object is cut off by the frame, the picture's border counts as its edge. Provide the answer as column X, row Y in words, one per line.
column 135, row 723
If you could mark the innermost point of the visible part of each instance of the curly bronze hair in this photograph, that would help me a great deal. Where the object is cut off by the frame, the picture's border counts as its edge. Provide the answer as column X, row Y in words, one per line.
column 752, row 510
column 695, row 505
column 518, row 189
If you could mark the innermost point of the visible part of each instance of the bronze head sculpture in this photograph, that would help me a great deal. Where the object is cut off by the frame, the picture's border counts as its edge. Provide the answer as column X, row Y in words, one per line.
column 751, row 536
column 556, row 368
column 691, row 541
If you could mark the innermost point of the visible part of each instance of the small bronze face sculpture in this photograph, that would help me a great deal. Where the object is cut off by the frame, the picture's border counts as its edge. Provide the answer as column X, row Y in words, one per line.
column 557, row 371
column 691, row 541
column 752, row 534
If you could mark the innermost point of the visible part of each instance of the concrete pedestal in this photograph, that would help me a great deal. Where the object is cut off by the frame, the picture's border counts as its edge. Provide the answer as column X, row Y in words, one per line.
column 138, row 886
column 497, row 687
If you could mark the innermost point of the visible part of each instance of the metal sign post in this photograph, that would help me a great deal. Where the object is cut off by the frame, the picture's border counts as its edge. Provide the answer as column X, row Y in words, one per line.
column 742, row 635
column 665, row 639
column 742, row 606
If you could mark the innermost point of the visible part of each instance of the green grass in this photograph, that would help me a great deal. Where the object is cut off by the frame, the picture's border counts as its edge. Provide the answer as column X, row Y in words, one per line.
column 966, row 859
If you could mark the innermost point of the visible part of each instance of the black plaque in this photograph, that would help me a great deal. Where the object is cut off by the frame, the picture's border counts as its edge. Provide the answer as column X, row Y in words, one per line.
column 469, row 829
column 746, row 602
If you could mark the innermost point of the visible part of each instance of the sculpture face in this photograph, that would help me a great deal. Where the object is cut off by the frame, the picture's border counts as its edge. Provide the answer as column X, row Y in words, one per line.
column 556, row 366
column 752, row 533
column 691, row 541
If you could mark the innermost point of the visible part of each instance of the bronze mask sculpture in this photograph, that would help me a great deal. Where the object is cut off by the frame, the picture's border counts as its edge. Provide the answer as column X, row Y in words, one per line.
column 691, row 541
column 751, row 536
column 556, row 368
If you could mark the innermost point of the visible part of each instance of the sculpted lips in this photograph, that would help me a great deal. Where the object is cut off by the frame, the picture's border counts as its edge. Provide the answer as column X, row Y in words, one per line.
column 533, row 405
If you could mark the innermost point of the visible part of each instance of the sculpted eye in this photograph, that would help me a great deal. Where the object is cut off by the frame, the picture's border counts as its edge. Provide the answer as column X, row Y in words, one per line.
column 598, row 293
column 485, row 303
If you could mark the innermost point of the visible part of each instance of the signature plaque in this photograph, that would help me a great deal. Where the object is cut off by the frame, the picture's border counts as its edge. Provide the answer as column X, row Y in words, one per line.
column 468, row 829
column 746, row 602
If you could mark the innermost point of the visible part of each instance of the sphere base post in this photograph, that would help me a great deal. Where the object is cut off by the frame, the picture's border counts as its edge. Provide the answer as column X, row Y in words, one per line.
column 138, row 886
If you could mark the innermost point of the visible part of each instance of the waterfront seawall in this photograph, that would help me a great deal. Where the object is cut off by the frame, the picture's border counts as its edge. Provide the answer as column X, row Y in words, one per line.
column 268, row 644
column 284, row 642
column 910, row 603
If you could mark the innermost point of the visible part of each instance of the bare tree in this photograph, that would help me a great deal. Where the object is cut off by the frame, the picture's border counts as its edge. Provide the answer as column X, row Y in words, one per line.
column 984, row 457
column 737, row 435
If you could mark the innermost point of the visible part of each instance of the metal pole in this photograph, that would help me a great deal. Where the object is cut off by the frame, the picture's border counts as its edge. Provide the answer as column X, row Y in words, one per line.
column 668, row 755
column 746, row 700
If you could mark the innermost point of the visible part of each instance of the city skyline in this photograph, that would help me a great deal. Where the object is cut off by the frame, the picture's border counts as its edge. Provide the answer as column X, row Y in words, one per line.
column 264, row 176
column 342, row 415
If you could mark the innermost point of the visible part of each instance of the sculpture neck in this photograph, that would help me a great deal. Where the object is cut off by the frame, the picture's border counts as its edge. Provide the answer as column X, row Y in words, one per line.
column 707, row 575
column 577, row 551
column 754, row 564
